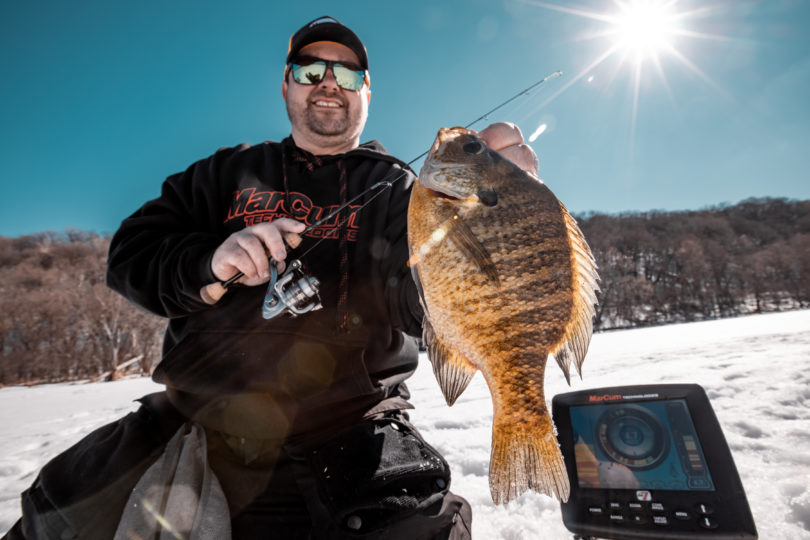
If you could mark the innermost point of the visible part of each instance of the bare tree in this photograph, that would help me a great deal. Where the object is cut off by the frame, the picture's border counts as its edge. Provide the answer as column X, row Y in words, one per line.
column 60, row 322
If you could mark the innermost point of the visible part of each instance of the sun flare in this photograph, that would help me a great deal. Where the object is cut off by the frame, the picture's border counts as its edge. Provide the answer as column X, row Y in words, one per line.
column 639, row 34
column 645, row 28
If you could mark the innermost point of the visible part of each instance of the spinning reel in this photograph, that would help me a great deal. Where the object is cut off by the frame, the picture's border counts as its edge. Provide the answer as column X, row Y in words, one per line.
column 294, row 292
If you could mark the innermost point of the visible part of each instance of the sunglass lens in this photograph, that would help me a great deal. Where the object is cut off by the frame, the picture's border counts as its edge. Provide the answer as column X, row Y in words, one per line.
column 314, row 72
column 310, row 73
column 346, row 78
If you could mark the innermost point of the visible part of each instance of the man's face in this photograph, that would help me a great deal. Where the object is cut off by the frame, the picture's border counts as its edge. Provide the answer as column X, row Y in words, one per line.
column 325, row 116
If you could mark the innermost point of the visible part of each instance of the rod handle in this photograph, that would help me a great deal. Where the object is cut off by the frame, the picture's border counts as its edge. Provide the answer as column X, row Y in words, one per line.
column 213, row 292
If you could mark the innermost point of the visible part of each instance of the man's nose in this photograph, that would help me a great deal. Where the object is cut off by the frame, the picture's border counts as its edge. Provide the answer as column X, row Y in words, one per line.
column 329, row 79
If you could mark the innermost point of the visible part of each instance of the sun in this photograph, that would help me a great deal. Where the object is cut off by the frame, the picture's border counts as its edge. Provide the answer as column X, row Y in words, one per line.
column 645, row 29
column 638, row 34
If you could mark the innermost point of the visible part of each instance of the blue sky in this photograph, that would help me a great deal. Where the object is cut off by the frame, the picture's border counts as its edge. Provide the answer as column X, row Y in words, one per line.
column 101, row 100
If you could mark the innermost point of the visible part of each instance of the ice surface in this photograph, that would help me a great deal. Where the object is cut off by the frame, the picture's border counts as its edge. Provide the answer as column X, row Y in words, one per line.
column 755, row 369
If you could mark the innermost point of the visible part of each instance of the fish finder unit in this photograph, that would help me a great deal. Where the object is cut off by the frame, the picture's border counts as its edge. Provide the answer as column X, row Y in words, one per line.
column 648, row 462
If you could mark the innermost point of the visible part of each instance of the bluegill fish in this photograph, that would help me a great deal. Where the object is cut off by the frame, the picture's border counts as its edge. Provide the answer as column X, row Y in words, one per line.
column 506, row 279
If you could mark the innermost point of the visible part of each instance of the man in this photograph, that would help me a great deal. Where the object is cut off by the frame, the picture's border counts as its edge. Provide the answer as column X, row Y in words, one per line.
column 292, row 427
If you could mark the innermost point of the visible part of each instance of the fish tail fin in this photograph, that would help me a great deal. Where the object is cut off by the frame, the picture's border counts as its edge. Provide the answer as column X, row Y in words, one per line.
column 526, row 457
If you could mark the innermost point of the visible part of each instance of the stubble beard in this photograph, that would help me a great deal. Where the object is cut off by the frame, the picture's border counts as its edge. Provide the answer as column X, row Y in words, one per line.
column 336, row 124
column 343, row 125
column 327, row 126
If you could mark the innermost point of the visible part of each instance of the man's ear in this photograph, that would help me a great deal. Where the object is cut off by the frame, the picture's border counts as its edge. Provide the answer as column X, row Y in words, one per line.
column 284, row 90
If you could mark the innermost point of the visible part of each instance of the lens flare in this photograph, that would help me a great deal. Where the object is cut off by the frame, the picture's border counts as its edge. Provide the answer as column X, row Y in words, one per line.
column 639, row 33
column 537, row 132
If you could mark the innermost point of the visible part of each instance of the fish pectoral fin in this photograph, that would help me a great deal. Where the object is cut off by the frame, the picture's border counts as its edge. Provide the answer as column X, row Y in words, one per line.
column 526, row 456
column 465, row 240
column 452, row 370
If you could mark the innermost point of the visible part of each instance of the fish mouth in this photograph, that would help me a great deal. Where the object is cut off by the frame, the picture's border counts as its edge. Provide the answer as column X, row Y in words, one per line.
column 446, row 135
column 431, row 177
column 487, row 197
column 437, row 174
column 442, row 195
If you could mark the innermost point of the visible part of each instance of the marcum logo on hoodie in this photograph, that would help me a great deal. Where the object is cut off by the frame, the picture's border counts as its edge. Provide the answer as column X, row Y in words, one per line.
column 253, row 207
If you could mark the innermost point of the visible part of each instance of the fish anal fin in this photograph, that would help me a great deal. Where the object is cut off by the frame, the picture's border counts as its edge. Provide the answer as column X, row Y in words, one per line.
column 563, row 358
column 453, row 371
column 526, row 457
column 465, row 240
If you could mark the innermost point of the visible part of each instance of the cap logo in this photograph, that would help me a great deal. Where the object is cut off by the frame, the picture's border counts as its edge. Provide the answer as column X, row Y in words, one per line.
column 322, row 20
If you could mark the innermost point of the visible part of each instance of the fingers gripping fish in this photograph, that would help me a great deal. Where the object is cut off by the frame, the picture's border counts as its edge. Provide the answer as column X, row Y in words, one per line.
column 506, row 279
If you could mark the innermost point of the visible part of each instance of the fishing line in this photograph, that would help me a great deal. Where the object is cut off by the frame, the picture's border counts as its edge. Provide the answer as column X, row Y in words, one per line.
column 387, row 183
column 504, row 104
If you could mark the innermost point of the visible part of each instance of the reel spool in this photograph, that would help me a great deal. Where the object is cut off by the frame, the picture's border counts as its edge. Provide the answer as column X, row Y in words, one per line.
column 294, row 292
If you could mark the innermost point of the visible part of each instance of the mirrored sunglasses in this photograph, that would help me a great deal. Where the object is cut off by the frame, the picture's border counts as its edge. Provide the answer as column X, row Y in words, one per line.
column 310, row 70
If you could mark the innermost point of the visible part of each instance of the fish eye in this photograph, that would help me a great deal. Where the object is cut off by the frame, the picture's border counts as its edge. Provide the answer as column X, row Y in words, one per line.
column 473, row 147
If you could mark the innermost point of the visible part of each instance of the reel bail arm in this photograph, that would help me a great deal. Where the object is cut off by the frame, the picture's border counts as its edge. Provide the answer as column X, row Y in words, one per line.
column 294, row 292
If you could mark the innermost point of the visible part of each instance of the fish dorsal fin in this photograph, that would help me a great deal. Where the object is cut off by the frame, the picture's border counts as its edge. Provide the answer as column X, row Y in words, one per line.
column 577, row 336
column 452, row 370
column 465, row 240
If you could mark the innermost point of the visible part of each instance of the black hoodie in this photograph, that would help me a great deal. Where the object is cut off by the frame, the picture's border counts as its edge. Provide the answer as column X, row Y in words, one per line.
column 225, row 365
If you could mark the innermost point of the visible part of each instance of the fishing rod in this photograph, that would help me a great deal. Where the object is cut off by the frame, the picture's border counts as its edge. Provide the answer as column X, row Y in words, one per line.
column 484, row 116
column 305, row 289
column 294, row 239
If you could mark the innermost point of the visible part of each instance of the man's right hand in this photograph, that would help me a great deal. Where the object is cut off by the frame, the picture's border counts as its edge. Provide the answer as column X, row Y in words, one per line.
column 247, row 251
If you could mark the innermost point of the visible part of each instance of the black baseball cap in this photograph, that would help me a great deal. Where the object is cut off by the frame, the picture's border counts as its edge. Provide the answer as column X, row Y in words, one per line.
column 327, row 29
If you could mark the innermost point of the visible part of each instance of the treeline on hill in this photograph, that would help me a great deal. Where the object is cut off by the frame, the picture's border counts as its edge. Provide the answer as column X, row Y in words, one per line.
column 59, row 322
column 58, row 319
column 664, row 267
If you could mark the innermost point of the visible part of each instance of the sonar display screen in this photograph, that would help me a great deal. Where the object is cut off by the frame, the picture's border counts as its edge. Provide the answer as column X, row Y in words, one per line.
column 640, row 445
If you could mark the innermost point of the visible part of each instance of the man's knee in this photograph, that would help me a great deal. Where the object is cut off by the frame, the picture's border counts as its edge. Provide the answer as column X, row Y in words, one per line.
column 82, row 490
column 380, row 479
column 460, row 513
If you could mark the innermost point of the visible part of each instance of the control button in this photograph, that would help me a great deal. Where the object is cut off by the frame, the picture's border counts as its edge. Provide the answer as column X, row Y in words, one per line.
column 635, row 506
column 657, row 507
column 707, row 522
column 616, row 517
column 704, row 509
column 354, row 523
column 638, row 519
column 596, row 510
column 660, row 520
column 683, row 515
column 615, row 505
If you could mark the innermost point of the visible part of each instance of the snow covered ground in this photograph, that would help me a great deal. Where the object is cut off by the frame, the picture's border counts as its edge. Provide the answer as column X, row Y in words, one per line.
column 755, row 369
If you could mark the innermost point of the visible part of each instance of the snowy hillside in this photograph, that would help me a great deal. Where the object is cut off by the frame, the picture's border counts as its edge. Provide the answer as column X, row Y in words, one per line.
column 755, row 369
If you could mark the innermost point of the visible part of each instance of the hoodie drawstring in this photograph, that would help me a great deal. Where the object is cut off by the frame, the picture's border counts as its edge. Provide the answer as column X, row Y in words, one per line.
column 343, row 289
column 311, row 161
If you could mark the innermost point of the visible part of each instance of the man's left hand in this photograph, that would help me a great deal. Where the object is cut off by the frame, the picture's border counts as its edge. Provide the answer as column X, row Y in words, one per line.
column 506, row 139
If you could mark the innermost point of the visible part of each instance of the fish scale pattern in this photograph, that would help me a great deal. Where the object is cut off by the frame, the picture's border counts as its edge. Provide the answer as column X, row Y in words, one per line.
column 504, row 285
